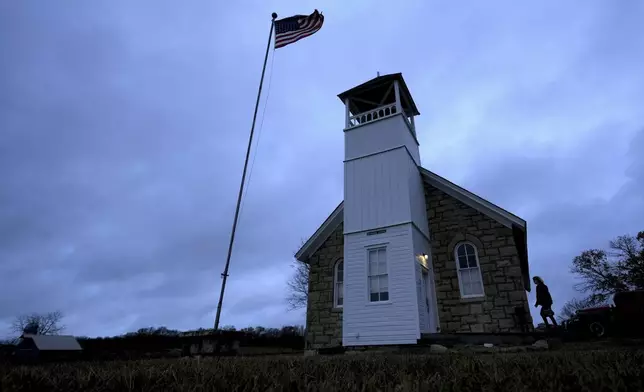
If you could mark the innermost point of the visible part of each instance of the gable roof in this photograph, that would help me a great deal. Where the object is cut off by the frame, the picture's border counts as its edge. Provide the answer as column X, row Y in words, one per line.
column 54, row 342
column 504, row 217
column 321, row 234
column 495, row 212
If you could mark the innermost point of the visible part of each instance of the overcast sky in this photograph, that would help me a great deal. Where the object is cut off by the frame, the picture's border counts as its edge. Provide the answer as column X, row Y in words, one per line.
column 123, row 129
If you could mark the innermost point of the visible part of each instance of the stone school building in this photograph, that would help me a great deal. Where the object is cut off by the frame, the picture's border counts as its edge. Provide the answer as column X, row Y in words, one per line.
column 408, row 252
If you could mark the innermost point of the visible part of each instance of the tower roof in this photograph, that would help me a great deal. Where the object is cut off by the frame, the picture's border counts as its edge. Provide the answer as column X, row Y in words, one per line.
column 377, row 90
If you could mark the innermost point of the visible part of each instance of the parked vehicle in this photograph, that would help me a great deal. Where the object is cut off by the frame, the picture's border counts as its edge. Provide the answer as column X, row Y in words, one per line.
column 625, row 317
column 629, row 312
column 592, row 322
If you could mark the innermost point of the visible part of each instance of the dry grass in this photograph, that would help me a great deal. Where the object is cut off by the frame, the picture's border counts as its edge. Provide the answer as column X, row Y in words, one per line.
column 547, row 371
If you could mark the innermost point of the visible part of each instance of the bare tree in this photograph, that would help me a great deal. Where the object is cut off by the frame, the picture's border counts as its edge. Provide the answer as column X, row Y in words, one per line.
column 629, row 253
column 40, row 324
column 298, row 285
column 604, row 273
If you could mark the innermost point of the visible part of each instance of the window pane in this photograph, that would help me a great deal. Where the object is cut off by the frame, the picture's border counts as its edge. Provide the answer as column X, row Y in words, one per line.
column 340, row 290
column 472, row 260
column 383, row 283
column 373, row 268
column 469, row 249
column 477, row 288
column 462, row 261
column 374, row 297
column 373, row 284
column 382, row 256
column 373, row 262
column 373, row 256
column 340, row 301
column 465, row 277
column 477, row 284
column 474, row 275
column 382, row 268
column 384, row 296
column 339, row 277
column 461, row 250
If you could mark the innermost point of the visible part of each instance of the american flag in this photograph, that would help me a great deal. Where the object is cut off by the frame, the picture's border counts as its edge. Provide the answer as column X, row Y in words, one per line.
column 289, row 30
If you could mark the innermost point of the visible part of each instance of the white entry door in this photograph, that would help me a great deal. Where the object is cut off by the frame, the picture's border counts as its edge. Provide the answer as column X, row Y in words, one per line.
column 432, row 305
column 425, row 305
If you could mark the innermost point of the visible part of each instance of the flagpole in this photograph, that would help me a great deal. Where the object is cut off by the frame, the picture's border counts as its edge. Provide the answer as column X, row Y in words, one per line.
column 243, row 179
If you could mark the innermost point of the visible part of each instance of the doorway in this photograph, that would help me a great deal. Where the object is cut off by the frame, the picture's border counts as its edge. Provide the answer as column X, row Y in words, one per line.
column 424, row 282
column 430, row 303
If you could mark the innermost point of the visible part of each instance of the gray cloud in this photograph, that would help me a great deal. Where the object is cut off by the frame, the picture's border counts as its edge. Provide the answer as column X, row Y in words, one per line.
column 567, row 214
column 123, row 129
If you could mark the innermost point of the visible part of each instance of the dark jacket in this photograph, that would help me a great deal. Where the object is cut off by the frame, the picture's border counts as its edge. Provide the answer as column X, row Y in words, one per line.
column 543, row 295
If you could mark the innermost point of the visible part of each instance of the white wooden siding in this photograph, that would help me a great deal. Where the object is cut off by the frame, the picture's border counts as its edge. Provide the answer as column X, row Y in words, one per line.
column 380, row 190
column 417, row 201
column 379, row 136
column 392, row 322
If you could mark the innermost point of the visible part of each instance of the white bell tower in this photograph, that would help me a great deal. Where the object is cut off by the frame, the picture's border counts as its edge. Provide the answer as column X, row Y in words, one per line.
column 385, row 218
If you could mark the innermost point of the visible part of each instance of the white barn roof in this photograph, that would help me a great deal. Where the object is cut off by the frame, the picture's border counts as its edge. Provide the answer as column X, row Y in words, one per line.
column 54, row 342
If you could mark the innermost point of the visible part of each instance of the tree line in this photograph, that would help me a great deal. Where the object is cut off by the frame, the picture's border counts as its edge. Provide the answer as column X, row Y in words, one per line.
column 51, row 324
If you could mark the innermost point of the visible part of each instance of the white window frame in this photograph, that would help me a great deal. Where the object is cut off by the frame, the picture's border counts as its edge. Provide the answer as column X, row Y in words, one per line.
column 369, row 275
column 459, row 270
column 336, row 284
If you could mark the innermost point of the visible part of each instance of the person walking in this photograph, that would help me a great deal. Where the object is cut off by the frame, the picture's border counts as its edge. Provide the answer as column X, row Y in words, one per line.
column 545, row 300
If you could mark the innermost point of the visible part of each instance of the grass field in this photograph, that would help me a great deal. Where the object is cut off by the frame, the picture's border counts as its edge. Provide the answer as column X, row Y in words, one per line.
column 605, row 370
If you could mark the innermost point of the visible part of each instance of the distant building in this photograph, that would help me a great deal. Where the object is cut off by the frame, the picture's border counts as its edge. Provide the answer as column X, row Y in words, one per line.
column 46, row 347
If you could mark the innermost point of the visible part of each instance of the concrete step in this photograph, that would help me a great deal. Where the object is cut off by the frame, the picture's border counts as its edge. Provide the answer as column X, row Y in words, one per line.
column 473, row 338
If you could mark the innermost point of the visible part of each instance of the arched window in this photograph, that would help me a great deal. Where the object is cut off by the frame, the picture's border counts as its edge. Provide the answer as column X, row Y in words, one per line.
column 338, row 284
column 470, row 279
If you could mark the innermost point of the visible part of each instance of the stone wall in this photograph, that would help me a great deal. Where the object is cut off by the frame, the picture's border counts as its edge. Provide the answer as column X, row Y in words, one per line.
column 451, row 221
column 323, row 321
